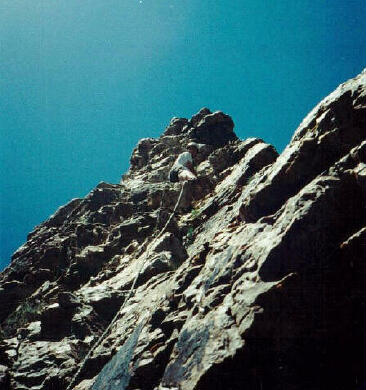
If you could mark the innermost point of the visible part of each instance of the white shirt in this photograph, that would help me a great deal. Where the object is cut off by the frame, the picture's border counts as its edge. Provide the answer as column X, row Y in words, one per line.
column 182, row 159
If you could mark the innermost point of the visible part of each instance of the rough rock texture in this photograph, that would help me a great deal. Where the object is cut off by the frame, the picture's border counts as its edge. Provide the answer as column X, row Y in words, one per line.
column 257, row 282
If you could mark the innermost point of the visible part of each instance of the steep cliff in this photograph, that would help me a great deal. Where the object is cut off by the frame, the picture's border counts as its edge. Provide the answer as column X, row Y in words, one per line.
column 256, row 281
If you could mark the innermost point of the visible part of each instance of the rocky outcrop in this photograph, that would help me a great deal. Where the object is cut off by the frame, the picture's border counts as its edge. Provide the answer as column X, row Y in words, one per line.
column 256, row 281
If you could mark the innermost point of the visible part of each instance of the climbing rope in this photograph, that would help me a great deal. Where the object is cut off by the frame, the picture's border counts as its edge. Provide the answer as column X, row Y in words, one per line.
column 114, row 320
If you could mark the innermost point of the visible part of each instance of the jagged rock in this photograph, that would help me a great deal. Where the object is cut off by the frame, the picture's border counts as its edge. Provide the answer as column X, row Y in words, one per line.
column 199, row 116
column 82, row 322
column 163, row 262
column 104, row 301
column 168, row 242
column 256, row 282
column 33, row 331
column 55, row 321
column 140, row 155
column 40, row 363
column 60, row 215
column 4, row 378
column 85, row 385
column 67, row 300
column 328, row 133
column 214, row 129
column 176, row 126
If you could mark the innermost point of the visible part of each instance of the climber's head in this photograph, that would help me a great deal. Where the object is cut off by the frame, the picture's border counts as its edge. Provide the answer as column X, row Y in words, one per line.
column 193, row 148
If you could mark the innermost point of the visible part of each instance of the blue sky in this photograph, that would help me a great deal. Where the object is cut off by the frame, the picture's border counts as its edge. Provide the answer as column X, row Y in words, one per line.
column 82, row 81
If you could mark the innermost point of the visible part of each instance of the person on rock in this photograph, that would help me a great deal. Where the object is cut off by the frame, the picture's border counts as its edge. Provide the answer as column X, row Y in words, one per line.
column 183, row 167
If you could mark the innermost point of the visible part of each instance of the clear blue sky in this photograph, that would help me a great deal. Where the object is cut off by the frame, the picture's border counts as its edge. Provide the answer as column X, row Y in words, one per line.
column 81, row 81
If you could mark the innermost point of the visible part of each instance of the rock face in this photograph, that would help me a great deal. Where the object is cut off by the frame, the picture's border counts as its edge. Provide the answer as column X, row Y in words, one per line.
column 256, row 282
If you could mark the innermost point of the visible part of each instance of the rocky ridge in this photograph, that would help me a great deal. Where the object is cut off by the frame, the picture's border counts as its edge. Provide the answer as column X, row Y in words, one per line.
column 257, row 281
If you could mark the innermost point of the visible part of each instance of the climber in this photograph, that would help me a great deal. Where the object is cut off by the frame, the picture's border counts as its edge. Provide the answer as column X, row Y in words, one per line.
column 183, row 167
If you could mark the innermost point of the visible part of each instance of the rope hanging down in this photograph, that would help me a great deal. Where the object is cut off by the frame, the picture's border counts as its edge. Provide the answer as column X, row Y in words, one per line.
column 100, row 339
